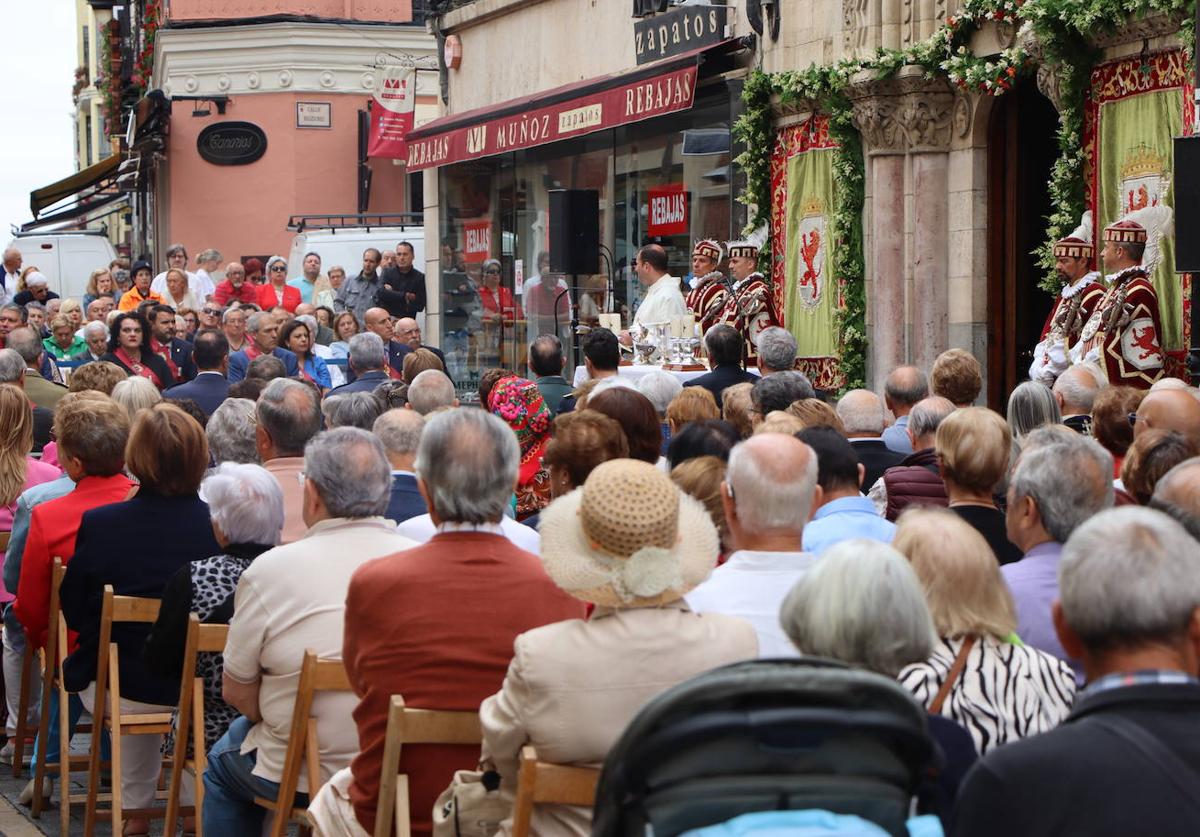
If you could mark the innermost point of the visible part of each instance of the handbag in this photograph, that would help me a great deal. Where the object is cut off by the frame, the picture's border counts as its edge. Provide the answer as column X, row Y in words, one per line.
column 960, row 661
column 473, row 805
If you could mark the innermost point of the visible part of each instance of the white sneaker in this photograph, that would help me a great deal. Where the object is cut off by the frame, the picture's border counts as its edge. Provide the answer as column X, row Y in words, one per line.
column 7, row 752
column 26, row 797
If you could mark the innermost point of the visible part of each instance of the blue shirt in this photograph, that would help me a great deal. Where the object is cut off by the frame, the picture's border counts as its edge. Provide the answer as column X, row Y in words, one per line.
column 845, row 518
column 304, row 286
column 1034, row 584
column 896, row 437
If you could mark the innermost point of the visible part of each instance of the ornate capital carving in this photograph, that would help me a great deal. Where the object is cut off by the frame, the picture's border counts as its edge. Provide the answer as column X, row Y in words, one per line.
column 904, row 113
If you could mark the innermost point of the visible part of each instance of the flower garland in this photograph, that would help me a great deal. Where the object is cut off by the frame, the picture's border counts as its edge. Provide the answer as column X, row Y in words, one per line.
column 1061, row 26
column 108, row 76
column 144, row 63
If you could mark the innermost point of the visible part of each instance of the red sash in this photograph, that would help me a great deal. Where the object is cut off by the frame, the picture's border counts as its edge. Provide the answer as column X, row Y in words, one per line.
column 138, row 368
column 165, row 353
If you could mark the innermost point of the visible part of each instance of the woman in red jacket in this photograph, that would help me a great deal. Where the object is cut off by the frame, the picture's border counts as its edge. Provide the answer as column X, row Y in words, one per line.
column 276, row 291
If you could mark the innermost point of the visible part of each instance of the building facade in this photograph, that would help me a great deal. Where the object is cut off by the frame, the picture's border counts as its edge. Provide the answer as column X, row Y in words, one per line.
column 910, row 160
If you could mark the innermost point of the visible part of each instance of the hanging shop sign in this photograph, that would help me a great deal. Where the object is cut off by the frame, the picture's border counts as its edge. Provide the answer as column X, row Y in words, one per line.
column 678, row 31
column 668, row 210
column 231, row 143
column 392, row 113
column 477, row 244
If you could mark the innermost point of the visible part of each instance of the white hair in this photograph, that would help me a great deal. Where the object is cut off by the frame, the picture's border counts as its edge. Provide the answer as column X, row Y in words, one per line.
column 135, row 393
column 245, row 501
column 861, row 411
column 1030, row 406
column 777, row 348
column 1129, row 576
column 1077, row 387
column 93, row 326
column 861, row 604
column 660, row 387
column 764, row 502
column 468, row 460
column 350, row 471
column 231, row 431
column 1069, row 477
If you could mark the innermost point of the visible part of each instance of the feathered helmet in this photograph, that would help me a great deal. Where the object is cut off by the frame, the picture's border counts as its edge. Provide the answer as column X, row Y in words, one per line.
column 709, row 249
column 1077, row 245
column 748, row 247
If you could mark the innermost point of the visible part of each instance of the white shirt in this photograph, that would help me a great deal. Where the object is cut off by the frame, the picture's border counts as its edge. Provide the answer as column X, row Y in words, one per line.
column 752, row 585
column 663, row 301
column 200, row 286
column 421, row 530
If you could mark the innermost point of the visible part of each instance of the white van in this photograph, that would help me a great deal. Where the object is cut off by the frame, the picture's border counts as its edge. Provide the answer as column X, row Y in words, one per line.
column 67, row 258
column 344, row 245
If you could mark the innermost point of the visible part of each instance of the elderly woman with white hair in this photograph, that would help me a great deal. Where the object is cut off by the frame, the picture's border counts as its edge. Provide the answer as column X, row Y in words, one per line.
column 862, row 605
column 246, row 504
column 1030, row 406
column 135, row 394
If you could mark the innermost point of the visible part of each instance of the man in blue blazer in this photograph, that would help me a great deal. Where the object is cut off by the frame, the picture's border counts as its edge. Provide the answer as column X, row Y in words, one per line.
column 400, row 432
column 724, row 346
column 263, row 331
column 366, row 362
column 210, row 387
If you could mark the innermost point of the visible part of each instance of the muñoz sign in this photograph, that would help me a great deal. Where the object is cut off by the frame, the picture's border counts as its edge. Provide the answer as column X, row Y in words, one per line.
column 231, row 143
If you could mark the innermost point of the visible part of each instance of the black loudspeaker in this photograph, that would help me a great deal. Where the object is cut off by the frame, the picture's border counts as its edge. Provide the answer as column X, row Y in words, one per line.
column 574, row 231
column 1187, row 204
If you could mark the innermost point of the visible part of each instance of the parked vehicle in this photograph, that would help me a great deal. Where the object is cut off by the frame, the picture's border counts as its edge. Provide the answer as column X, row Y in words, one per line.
column 67, row 258
column 341, row 239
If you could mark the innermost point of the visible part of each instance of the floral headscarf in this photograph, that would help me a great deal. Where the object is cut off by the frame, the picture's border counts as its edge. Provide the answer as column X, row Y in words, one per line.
column 519, row 402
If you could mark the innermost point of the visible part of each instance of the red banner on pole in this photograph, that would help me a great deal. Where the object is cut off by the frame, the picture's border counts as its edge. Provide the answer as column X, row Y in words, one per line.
column 668, row 210
column 392, row 115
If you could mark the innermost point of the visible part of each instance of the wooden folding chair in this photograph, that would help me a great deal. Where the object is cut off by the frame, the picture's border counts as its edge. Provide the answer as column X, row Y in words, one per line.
column 541, row 782
column 108, row 688
column 414, row 726
column 52, row 679
column 189, row 724
column 316, row 675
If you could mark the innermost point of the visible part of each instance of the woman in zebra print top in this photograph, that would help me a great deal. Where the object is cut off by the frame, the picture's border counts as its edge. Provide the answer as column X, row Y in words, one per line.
column 1003, row 690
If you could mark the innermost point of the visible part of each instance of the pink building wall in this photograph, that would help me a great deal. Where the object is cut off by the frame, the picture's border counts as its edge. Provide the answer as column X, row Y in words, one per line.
column 243, row 210
column 396, row 11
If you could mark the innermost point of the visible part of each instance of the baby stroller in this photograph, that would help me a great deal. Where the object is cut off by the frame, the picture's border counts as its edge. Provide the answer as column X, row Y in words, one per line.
column 768, row 735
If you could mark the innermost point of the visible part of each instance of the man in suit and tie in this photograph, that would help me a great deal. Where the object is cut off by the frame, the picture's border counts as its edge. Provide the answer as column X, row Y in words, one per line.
column 366, row 361
column 210, row 387
column 176, row 352
column 724, row 346
column 262, row 329
column 400, row 432
column 408, row 332
column 862, row 415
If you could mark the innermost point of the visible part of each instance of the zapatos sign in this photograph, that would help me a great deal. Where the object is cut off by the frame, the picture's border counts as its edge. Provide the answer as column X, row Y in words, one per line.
column 678, row 31
column 231, row 143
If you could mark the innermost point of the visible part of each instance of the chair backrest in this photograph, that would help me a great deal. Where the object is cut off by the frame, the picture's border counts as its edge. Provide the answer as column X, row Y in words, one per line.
column 4, row 537
column 114, row 609
column 416, row 726
column 54, row 616
column 316, row 675
column 541, row 782
column 201, row 639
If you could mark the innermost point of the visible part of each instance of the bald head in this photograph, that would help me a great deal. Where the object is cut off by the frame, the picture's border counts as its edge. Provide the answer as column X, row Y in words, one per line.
column 400, row 432
column 1075, row 391
column 378, row 321
column 773, row 482
column 861, row 413
column 1169, row 409
column 408, row 332
column 904, row 387
column 305, row 308
column 1178, row 494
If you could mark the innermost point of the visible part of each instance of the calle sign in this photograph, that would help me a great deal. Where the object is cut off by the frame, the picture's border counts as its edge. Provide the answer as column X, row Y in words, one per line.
column 231, row 143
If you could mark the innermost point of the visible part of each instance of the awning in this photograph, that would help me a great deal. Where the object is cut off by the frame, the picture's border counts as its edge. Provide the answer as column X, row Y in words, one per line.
column 83, row 179
column 81, row 213
column 573, row 110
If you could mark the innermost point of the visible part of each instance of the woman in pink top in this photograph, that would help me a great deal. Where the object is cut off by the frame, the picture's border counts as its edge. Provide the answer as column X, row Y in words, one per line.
column 18, row 471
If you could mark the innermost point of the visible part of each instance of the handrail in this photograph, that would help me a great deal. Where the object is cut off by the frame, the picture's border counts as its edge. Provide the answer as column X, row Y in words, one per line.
column 336, row 221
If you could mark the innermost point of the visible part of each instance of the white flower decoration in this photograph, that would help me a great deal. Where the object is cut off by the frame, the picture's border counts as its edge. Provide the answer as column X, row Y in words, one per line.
column 649, row 572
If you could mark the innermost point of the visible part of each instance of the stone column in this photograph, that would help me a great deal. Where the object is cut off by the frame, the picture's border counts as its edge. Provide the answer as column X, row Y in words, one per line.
column 885, row 303
column 926, row 115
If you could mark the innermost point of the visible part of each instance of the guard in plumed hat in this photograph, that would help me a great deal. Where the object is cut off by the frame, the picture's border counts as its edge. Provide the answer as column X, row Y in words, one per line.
column 708, row 285
column 749, row 306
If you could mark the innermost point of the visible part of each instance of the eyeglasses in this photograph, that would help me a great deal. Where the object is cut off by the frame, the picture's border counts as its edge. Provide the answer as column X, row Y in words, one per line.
column 212, row 312
column 492, row 272
column 1133, row 419
column 278, row 267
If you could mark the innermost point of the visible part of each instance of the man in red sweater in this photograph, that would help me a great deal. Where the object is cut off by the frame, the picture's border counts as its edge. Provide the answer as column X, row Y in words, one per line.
column 436, row 623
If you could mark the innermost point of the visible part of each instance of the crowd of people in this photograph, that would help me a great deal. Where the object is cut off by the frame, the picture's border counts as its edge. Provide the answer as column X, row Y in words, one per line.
column 556, row 556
